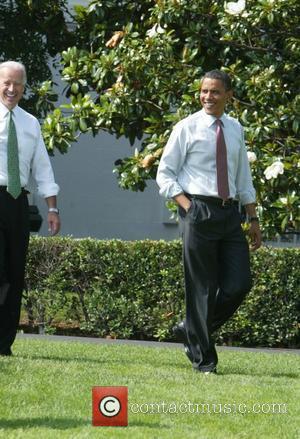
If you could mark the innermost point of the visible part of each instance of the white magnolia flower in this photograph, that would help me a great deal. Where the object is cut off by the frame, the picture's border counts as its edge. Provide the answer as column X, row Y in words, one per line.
column 274, row 170
column 235, row 8
column 251, row 156
column 156, row 29
column 283, row 200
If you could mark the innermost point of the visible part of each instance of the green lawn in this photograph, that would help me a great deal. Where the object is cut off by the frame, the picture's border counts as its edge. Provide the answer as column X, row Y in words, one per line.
column 46, row 387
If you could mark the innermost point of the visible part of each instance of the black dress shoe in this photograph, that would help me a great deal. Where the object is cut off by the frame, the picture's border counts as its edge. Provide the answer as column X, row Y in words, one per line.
column 212, row 356
column 208, row 372
column 188, row 353
column 6, row 353
column 207, row 368
column 180, row 333
column 210, row 361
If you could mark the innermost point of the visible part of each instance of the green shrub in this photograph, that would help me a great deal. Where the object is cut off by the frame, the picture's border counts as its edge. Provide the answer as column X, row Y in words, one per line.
column 135, row 290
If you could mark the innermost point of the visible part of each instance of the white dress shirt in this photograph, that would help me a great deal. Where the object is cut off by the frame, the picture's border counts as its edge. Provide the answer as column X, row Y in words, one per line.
column 188, row 163
column 33, row 156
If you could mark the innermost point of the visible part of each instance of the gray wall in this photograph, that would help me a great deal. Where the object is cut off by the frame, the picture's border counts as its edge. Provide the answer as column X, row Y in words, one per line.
column 91, row 202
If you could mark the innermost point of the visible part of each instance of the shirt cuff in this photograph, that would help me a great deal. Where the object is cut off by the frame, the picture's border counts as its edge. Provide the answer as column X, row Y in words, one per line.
column 247, row 199
column 48, row 190
column 171, row 191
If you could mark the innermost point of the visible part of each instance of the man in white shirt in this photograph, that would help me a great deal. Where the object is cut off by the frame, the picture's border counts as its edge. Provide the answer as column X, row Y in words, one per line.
column 26, row 153
column 205, row 169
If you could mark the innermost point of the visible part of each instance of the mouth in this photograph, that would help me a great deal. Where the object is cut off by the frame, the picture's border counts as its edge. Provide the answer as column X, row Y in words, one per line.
column 209, row 104
column 10, row 97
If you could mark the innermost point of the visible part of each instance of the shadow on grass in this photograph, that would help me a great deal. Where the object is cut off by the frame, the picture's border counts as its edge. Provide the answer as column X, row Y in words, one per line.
column 148, row 425
column 252, row 371
column 96, row 360
column 179, row 367
column 53, row 423
column 64, row 359
column 232, row 372
column 64, row 423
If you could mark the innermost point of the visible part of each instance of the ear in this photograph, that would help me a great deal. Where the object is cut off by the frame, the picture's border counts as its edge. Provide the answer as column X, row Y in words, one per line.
column 229, row 94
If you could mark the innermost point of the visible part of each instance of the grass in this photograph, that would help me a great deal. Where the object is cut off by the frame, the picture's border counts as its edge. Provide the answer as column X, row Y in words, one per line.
column 45, row 392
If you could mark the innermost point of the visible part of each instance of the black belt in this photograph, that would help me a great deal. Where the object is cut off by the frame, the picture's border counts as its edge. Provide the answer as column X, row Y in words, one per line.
column 215, row 200
column 4, row 189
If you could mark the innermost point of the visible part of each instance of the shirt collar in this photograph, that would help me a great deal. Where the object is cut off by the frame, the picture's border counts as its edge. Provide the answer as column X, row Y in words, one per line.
column 4, row 110
column 210, row 120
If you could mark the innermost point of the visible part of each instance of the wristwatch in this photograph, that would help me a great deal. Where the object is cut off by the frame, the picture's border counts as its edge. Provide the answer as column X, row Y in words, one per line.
column 251, row 219
column 53, row 210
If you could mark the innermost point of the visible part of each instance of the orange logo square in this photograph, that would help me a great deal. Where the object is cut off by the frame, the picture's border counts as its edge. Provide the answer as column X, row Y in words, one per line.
column 110, row 406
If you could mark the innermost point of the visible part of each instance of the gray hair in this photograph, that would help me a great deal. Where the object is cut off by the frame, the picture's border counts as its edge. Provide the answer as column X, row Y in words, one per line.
column 17, row 66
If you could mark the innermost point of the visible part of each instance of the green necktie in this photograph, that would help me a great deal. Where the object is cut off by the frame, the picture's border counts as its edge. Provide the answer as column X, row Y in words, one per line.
column 13, row 171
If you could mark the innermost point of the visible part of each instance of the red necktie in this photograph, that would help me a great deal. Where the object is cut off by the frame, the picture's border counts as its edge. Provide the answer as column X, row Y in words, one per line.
column 221, row 161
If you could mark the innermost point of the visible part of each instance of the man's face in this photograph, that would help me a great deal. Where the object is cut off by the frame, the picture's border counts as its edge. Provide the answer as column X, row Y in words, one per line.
column 11, row 86
column 213, row 96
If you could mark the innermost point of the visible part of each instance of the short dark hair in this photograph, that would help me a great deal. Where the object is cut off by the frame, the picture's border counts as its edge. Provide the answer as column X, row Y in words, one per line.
column 221, row 76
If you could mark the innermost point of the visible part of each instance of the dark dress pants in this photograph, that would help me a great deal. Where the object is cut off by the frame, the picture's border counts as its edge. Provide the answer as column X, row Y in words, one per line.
column 14, row 237
column 216, row 270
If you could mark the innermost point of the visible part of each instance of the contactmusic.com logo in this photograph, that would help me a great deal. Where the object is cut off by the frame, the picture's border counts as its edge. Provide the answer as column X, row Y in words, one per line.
column 110, row 406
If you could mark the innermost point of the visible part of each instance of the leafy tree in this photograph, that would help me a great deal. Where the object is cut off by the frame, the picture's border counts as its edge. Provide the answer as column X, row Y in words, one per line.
column 135, row 71
column 34, row 32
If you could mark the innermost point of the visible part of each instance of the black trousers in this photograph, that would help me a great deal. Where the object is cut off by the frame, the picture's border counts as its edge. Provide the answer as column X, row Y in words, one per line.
column 14, row 238
column 216, row 270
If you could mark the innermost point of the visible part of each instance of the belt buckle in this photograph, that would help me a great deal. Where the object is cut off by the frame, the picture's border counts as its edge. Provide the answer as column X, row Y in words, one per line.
column 226, row 202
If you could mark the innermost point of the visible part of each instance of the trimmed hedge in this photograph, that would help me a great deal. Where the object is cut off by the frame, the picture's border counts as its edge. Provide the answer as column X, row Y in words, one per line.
column 135, row 290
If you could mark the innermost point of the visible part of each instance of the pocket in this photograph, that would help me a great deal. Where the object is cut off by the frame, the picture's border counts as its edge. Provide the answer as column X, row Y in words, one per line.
column 192, row 205
column 198, row 212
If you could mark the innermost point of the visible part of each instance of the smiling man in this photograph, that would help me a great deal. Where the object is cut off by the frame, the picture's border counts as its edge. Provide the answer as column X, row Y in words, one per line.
column 205, row 169
column 22, row 151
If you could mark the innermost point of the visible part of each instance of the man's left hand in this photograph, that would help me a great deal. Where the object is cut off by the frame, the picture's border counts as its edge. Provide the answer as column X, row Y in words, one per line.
column 53, row 223
column 255, row 235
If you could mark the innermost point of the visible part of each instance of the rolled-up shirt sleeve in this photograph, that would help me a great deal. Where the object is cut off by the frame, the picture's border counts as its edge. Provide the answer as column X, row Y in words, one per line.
column 42, row 170
column 171, row 162
column 244, row 186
